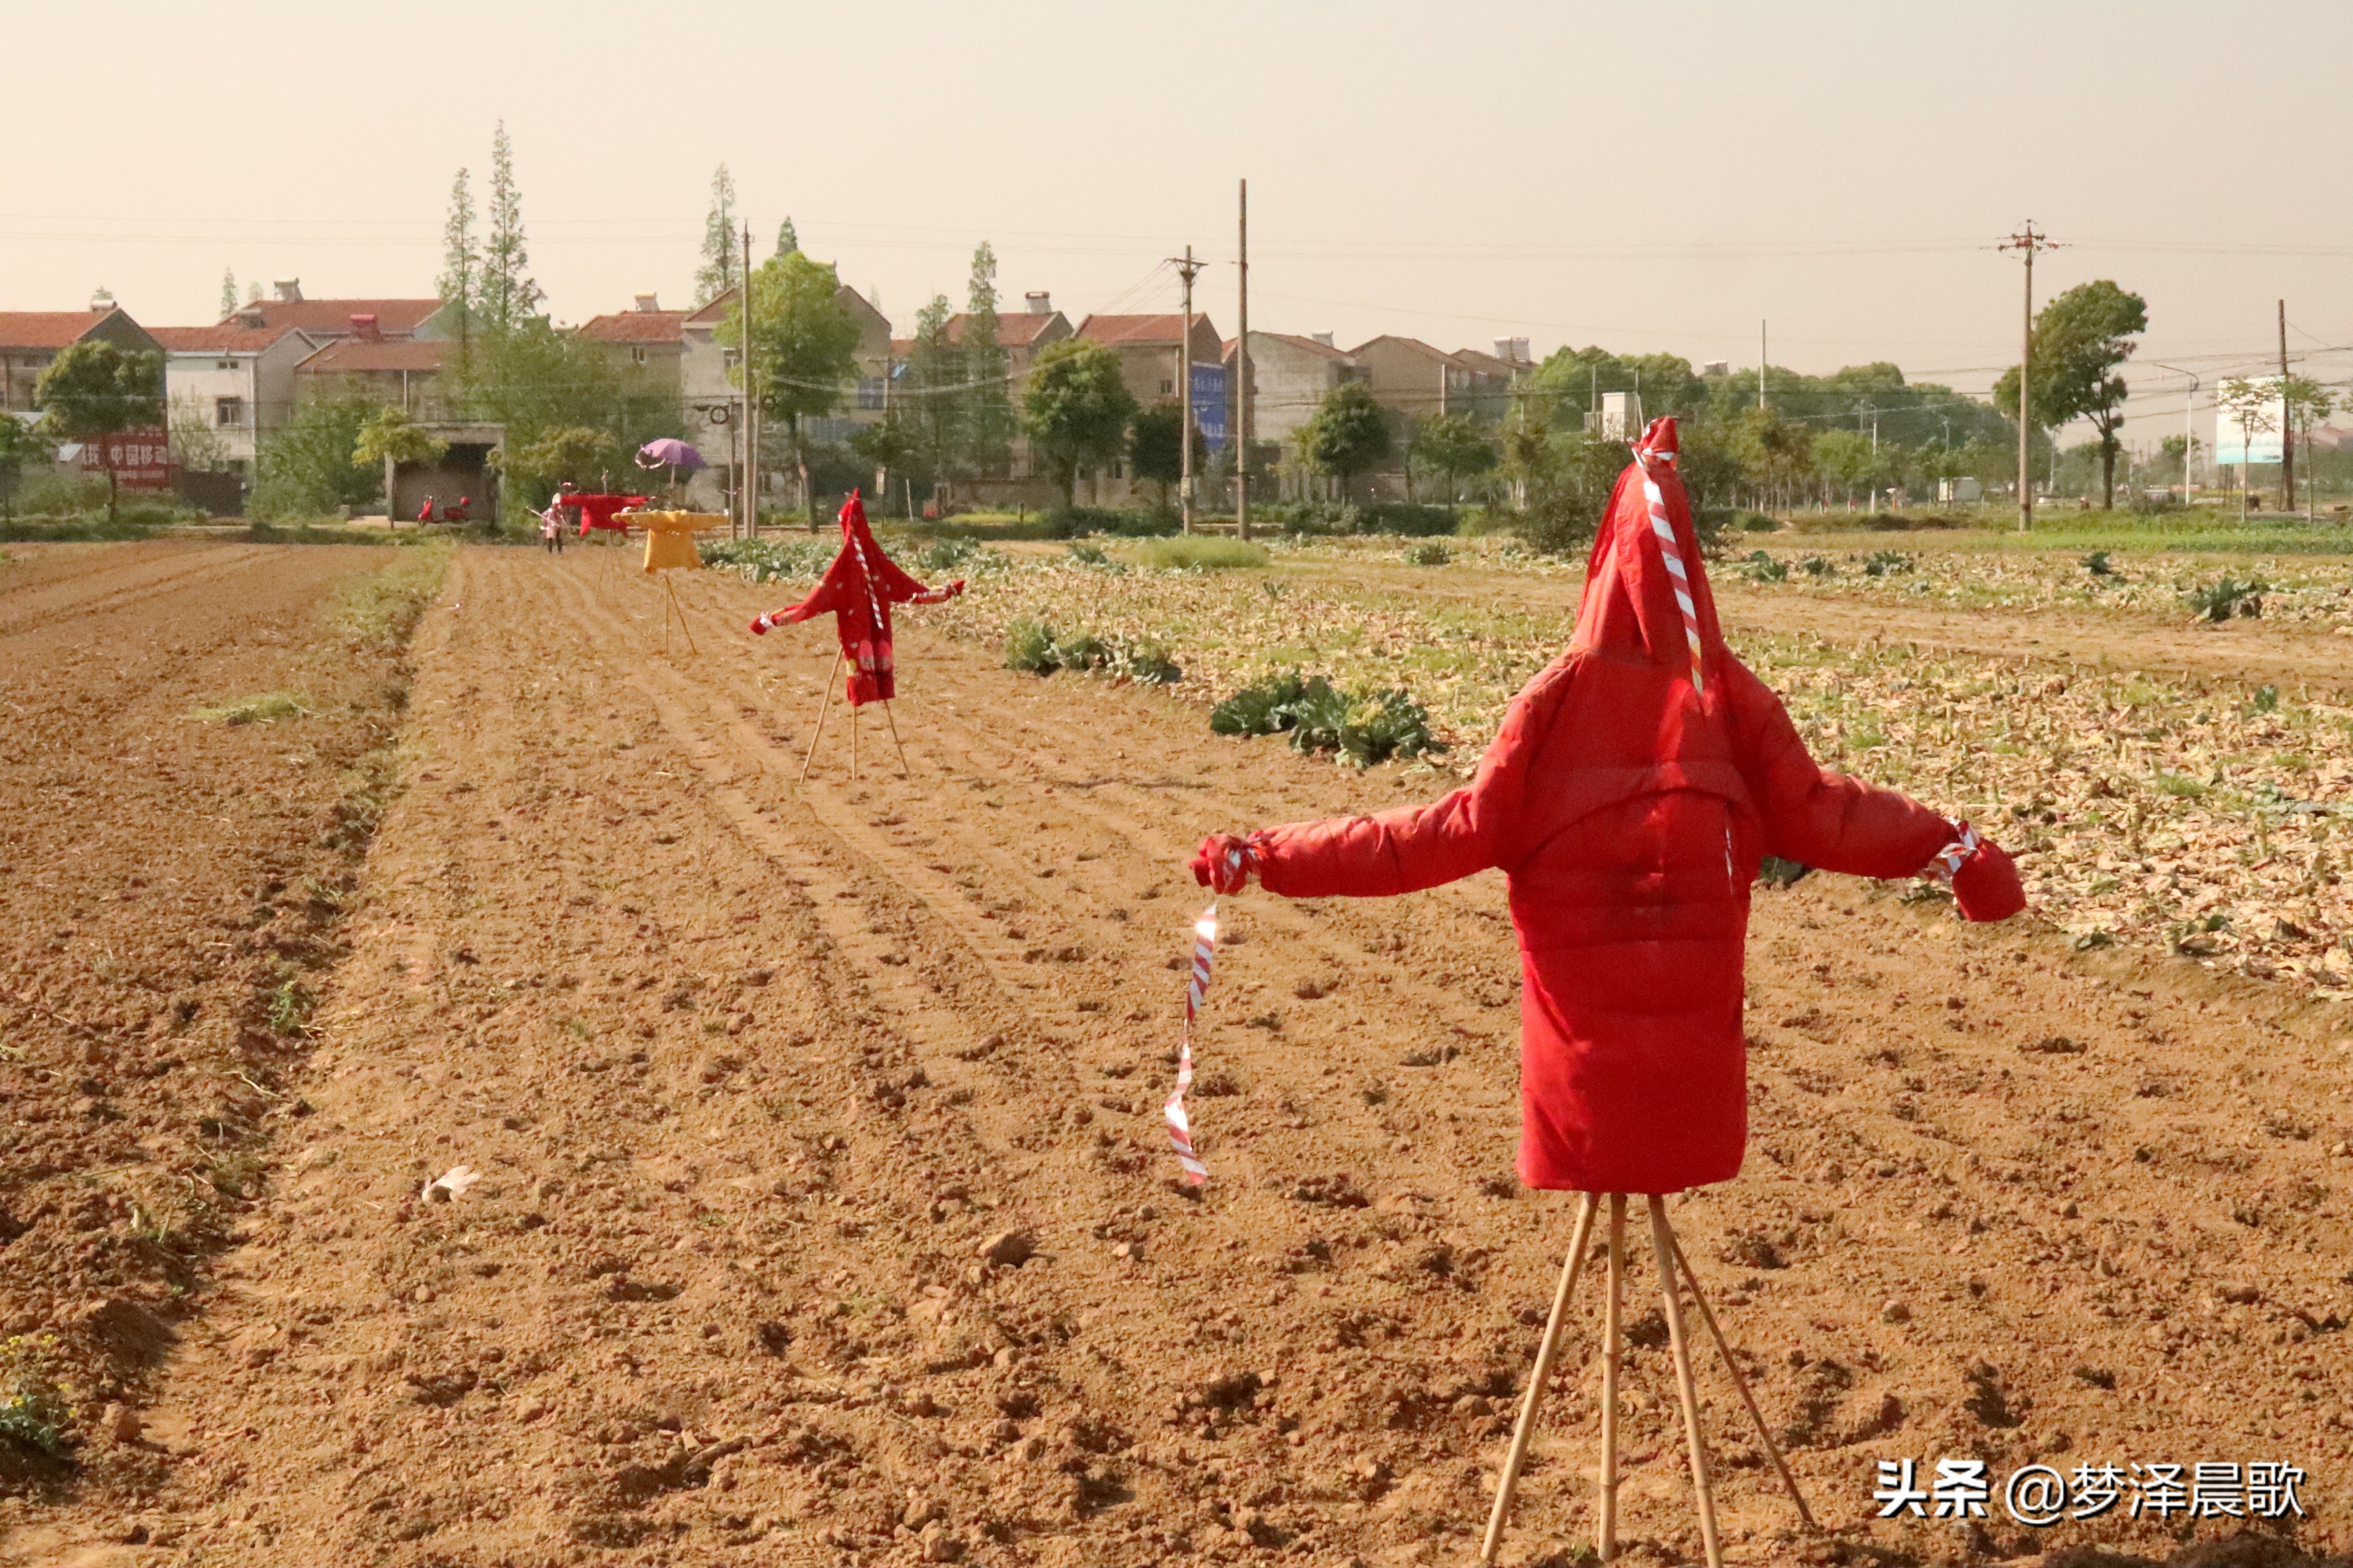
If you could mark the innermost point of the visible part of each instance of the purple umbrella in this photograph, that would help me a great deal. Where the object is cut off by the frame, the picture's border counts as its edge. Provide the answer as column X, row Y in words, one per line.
column 666, row 453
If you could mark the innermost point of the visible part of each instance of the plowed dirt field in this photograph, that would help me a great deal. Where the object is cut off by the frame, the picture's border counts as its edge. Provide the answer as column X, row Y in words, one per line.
column 824, row 1209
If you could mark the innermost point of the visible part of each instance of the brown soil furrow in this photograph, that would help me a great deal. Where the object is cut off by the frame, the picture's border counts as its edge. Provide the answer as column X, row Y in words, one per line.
column 119, row 584
column 721, row 1044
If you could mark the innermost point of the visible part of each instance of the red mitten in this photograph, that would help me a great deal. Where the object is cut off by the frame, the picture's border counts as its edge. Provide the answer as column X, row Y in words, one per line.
column 760, row 625
column 1985, row 878
column 1224, row 863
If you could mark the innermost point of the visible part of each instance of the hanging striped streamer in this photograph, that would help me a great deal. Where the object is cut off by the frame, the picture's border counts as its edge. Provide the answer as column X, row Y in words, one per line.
column 1197, row 985
column 1950, row 860
column 1665, row 531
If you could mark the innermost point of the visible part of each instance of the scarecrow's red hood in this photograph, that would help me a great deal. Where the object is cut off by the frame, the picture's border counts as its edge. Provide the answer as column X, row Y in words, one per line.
column 1630, row 606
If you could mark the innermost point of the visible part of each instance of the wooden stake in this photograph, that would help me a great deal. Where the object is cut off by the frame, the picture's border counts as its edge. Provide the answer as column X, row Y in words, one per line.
column 1662, row 1245
column 681, row 621
column 854, row 743
column 904, row 771
column 1741, row 1384
column 1546, row 1349
column 825, row 706
column 1606, row 1527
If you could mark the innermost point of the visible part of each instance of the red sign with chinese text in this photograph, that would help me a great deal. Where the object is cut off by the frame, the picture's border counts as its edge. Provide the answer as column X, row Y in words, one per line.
column 140, row 459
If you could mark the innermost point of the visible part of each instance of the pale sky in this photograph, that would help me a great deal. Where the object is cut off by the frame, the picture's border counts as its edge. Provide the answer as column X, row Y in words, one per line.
column 1639, row 176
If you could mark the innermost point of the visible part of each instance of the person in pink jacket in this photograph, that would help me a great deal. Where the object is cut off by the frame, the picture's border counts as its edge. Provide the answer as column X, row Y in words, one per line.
column 1634, row 788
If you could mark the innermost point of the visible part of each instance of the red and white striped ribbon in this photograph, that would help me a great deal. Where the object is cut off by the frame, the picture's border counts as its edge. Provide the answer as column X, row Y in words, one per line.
column 1948, row 861
column 1672, row 552
column 1197, row 985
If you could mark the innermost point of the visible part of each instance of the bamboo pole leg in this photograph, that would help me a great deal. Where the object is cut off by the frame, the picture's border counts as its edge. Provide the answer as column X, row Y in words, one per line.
column 1605, row 1542
column 854, row 743
column 825, row 706
column 905, row 772
column 1546, row 1349
column 1662, row 1246
column 1740, row 1383
column 681, row 614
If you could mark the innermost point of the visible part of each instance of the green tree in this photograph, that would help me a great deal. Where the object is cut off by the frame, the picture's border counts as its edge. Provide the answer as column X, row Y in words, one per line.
column 509, row 295
column 305, row 468
column 1077, row 409
column 228, row 293
column 1775, row 455
column 389, row 438
column 2079, row 341
column 933, row 393
column 461, row 256
column 1845, row 460
column 22, row 445
column 195, row 440
column 804, row 349
column 2254, row 406
column 788, row 239
column 1349, row 434
column 1152, row 449
column 534, row 380
column 1453, row 447
column 580, row 454
column 95, row 388
column 989, row 406
column 717, row 273
column 887, row 446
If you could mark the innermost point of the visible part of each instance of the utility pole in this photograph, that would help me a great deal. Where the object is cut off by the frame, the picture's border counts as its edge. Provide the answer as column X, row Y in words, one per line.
column 2189, row 428
column 2028, row 242
column 2287, row 423
column 1762, row 361
column 751, row 404
column 1242, row 431
column 1187, row 269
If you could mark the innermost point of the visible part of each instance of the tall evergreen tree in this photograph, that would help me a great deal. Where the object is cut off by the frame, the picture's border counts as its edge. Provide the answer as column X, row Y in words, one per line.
column 717, row 273
column 933, row 384
column 788, row 239
column 228, row 293
column 989, row 405
column 508, row 293
column 461, row 255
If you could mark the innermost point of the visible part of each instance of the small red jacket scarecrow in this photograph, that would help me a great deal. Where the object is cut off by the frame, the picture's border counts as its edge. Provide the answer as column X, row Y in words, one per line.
column 859, row 588
column 1629, row 796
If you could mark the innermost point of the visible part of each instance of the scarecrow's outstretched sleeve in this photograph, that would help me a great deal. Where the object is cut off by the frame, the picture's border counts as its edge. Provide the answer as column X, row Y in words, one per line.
column 1411, row 848
column 1821, row 818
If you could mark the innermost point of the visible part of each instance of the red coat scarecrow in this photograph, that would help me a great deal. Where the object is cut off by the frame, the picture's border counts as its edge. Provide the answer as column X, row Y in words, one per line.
column 859, row 588
column 1630, row 797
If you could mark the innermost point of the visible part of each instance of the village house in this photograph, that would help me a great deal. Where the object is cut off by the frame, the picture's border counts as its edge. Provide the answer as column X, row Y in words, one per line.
column 234, row 379
column 1289, row 378
column 30, row 341
column 1414, row 380
column 401, row 373
column 711, row 403
column 322, row 320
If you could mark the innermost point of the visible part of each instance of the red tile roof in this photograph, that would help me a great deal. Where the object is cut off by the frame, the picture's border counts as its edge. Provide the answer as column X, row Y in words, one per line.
column 46, row 328
column 1013, row 331
column 715, row 312
column 394, row 317
column 1119, row 331
column 637, row 327
column 349, row 354
column 217, row 340
column 1310, row 344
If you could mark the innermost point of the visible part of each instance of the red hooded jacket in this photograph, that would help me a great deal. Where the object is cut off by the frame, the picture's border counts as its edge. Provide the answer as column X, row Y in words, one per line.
column 1628, row 797
column 859, row 588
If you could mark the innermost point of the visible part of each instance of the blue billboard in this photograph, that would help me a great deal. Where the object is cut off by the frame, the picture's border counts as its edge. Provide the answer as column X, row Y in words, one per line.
column 1210, row 404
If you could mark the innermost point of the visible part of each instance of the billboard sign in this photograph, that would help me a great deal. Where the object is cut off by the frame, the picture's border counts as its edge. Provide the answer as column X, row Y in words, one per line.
column 1210, row 404
column 139, row 459
column 2234, row 443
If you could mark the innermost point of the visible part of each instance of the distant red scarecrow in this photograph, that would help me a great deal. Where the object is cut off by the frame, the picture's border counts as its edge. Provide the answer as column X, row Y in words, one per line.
column 858, row 589
column 1630, row 797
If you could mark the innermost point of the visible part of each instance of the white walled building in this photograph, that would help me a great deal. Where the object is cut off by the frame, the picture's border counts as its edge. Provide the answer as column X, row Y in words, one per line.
column 236, row 380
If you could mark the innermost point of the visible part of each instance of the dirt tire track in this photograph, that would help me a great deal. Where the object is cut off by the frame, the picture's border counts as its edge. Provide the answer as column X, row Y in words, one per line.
column 73, row 595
